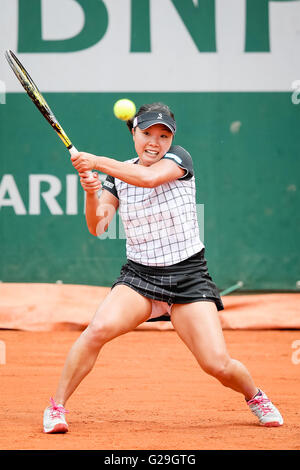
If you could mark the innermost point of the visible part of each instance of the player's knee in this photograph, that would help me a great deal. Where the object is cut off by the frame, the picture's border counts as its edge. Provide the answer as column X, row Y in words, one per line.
column 217, row 366
column 99, row 332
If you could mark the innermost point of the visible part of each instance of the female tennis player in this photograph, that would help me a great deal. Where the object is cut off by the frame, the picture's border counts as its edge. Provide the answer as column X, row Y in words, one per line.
column 166, row 270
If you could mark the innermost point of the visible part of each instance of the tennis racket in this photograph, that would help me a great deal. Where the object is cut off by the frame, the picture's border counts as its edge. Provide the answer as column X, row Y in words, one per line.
column 40, row 102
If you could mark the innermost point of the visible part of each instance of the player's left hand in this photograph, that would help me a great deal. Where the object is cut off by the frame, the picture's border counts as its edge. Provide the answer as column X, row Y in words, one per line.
column 92, row 185
column 83, row 161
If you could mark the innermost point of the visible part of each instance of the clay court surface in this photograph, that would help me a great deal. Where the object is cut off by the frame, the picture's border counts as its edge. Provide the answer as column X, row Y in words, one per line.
column 147, row 392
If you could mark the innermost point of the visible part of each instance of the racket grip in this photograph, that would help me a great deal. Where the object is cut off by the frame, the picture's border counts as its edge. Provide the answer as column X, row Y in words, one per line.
column 88, row 174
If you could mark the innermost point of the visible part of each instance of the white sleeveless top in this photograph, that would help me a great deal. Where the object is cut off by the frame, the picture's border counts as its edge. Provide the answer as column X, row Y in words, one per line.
column 160, row 223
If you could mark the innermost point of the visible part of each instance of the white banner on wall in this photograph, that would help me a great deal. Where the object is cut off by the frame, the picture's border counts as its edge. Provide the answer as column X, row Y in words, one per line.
column 174, row 63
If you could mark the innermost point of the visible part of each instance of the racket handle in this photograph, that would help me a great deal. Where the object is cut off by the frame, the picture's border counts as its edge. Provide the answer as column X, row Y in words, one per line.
column 88, row 174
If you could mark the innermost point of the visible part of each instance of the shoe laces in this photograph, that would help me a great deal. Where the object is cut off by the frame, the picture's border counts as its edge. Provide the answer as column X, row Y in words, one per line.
column 56, row 410
column 264, row 404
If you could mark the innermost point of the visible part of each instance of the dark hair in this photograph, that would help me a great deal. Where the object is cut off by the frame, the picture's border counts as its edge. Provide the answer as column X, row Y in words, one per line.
column 153, row 107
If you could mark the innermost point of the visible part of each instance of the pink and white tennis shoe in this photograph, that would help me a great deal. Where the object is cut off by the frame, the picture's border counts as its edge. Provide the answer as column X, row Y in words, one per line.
column 54, row 419
column 266, row 412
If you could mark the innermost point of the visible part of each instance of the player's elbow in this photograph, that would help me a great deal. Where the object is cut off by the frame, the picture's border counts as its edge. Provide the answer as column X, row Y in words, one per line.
column 99, row 224
column 101, row 227
column 95, row 229
column 92, row 231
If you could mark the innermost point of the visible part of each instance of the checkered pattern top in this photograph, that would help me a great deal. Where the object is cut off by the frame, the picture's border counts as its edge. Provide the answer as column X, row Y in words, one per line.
column 160, row 223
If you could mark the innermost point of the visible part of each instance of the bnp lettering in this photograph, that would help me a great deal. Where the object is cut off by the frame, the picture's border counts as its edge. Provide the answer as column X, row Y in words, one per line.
column 198, row 18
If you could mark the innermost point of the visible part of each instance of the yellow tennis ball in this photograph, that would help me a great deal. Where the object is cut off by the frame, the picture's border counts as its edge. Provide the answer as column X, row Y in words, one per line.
column 124, row 109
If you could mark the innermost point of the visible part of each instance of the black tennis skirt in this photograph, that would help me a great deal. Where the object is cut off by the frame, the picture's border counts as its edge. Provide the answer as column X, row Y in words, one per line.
column 181, row 283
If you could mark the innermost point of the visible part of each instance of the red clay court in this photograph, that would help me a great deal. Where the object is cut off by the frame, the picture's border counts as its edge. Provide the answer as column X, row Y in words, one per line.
column 146, row 390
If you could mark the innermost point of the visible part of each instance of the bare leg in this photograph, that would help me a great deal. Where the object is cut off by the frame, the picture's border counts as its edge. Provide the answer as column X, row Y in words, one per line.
column 199, row 327
column 120, row 312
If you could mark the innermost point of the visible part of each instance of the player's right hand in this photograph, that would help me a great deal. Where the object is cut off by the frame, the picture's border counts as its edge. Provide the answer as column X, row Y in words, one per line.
column 90, row 186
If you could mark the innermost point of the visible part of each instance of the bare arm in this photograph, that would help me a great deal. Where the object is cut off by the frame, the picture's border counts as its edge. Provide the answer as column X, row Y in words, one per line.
column 137, row 175
column 99, row 212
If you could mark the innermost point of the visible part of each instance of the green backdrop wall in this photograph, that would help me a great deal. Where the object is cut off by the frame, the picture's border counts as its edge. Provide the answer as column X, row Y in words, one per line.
column 245, row 149
column 230, row 72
